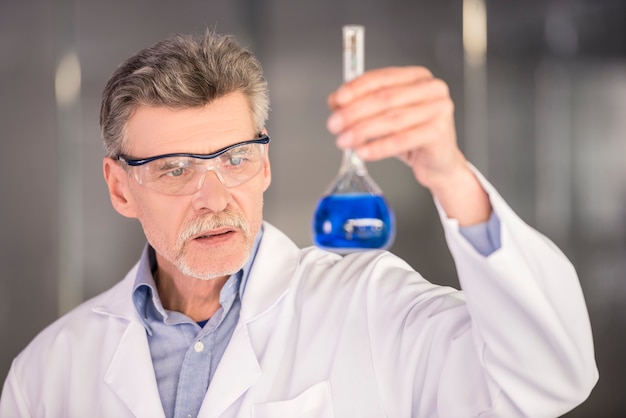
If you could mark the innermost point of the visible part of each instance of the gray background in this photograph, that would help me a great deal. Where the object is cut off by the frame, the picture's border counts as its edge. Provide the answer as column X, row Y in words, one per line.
column 544, row 119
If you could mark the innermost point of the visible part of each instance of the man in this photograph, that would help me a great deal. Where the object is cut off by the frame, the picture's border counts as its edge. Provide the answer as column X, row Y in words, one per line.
column 223, row 316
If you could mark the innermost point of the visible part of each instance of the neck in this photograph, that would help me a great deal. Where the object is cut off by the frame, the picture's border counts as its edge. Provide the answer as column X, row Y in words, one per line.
column 198, row 299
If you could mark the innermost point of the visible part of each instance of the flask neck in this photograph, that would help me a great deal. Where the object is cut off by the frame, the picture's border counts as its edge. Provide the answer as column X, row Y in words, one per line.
column 353, row 177
column 352, row 162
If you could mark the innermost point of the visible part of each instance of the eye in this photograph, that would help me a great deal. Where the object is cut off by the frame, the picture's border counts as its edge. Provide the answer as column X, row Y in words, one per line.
column 236, row 157
column 173, row 168
column 176, row 172
column 235, row 160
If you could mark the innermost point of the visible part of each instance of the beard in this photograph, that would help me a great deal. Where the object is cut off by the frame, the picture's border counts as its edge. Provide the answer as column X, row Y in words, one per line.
column 217, row 266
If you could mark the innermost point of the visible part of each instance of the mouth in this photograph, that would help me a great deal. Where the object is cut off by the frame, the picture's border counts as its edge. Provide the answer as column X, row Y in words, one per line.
column 214, row 234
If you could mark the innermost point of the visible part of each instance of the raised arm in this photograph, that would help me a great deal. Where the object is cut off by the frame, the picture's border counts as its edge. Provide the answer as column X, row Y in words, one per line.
column 521, row 345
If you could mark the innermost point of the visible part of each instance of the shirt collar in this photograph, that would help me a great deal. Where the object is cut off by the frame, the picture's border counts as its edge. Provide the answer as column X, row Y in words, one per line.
column 145, row 289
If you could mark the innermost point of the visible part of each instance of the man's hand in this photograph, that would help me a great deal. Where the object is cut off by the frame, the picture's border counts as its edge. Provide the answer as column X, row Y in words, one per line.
column 407, row 113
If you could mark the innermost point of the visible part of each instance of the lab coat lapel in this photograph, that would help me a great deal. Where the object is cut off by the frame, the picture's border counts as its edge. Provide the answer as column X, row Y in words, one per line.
column 131, row 375
column 272, row 271
column 237, row 371
column 269, row 280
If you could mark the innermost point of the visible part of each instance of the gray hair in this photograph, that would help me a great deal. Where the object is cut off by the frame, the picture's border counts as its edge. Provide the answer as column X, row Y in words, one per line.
column 181, row 72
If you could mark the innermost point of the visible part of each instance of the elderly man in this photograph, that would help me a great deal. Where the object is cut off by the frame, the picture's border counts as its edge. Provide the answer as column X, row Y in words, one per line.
column 224, row 316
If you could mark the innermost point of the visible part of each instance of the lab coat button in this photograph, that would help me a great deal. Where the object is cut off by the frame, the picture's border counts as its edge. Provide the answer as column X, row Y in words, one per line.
column 198, row 346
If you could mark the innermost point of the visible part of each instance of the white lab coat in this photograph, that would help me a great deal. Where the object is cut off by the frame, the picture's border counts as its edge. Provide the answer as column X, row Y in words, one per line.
column 359, row 336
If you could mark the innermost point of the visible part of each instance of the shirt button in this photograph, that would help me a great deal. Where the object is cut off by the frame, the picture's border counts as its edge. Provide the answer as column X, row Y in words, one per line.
column 198, row 346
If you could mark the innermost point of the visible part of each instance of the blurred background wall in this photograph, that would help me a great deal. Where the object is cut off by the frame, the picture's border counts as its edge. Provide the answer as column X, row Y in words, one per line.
column 541, row 111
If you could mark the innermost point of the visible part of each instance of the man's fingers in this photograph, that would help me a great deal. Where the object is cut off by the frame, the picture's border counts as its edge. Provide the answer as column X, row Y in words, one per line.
column 375, row 80
column 402, row 142
column 393, row 121
column 384, row 100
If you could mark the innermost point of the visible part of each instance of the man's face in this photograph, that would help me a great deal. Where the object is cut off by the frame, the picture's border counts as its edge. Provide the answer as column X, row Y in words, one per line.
column 207, row 234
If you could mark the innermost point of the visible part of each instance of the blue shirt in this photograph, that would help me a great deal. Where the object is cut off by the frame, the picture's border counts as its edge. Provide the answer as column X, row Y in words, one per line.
column 185, row 354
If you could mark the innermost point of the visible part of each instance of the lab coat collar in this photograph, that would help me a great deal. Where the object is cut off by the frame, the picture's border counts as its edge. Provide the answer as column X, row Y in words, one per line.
column 118, row 301
column 273, row 268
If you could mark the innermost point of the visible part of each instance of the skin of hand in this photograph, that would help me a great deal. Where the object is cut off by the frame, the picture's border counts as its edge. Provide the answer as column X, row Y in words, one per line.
column 406, row 112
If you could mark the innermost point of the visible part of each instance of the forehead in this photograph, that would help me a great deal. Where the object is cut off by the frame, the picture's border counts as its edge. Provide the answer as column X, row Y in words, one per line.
column 162, row 130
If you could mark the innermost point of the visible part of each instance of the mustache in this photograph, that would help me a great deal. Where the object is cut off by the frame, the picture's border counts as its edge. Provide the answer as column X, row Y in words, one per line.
column 225, row 219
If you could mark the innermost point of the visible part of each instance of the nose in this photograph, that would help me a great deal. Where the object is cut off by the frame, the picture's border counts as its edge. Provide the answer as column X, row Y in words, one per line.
column 212, row 194
column 213, row 170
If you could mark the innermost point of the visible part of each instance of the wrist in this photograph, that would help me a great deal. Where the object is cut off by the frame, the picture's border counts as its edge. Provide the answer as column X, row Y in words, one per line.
column 462, row 197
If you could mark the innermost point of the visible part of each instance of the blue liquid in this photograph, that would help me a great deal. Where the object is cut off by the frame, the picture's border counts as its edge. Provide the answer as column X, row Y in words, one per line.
column 347, row 222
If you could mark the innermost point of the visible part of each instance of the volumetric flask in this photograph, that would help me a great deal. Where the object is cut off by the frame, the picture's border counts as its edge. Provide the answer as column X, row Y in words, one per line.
column 353, row 214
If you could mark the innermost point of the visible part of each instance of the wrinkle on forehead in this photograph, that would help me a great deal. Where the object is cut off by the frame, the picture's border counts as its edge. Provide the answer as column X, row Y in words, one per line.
column 162, row 130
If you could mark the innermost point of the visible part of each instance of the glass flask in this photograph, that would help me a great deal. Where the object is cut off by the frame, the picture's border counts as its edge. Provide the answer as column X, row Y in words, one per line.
column 353, row 214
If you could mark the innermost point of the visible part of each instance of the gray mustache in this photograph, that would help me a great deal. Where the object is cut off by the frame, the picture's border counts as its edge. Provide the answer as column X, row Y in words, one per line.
column 222, row 220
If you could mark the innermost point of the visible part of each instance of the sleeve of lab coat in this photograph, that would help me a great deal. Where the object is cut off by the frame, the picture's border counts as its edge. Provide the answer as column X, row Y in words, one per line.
column 529, row 321
column 11, row 401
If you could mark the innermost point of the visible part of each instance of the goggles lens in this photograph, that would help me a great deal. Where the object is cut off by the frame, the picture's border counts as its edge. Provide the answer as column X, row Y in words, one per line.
column 184, row 174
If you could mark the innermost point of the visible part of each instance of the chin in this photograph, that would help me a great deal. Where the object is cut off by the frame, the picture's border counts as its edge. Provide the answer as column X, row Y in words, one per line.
column 218, row 266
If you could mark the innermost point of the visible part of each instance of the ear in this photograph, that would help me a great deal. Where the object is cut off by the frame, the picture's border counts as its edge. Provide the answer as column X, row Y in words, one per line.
column 117, row 181
column 267, row 173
